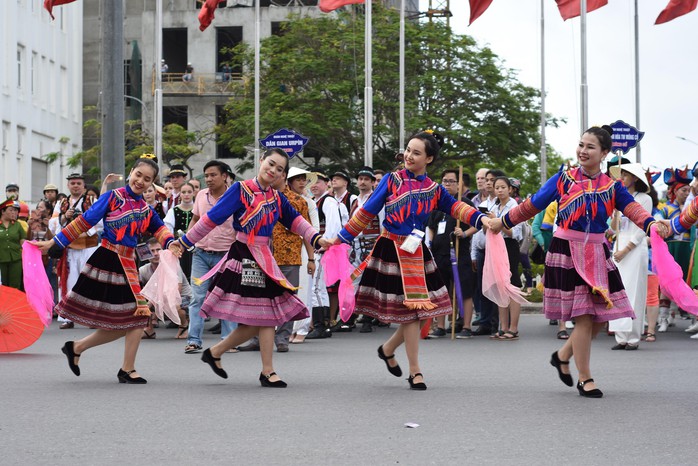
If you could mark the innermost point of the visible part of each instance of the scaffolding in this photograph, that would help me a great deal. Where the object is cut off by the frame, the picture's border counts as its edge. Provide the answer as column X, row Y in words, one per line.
column 440, row 11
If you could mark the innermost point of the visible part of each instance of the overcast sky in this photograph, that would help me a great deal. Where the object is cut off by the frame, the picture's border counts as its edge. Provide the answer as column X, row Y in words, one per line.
column 668, row 69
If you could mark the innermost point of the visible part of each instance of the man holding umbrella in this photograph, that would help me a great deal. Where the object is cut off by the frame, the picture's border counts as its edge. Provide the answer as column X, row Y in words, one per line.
column 443, row 233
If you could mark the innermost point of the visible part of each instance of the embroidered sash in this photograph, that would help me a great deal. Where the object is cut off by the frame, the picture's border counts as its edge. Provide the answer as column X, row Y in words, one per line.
column 126, row 255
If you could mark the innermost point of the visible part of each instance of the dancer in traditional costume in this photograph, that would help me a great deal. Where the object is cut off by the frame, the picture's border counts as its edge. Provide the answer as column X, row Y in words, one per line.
column 249, row 288
column 581, row 280
column 107, row 295
column 400, row 283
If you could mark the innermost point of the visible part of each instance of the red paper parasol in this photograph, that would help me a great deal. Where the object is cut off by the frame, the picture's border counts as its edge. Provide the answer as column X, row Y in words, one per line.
column 20, row 326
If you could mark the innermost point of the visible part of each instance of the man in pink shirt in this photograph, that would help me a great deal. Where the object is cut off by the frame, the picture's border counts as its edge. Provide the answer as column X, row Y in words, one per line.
column 209, row 251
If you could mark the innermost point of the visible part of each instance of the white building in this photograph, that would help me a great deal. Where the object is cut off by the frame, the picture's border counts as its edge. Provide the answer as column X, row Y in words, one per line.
column 40, row 93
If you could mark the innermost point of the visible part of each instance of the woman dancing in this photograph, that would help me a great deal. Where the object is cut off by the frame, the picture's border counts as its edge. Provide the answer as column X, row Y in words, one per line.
column 581, row 279
column 249, row 288
column 400, row 283
column 107, row 293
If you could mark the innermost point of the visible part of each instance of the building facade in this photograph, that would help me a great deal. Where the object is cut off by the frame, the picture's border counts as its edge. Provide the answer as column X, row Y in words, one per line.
column 40, row 94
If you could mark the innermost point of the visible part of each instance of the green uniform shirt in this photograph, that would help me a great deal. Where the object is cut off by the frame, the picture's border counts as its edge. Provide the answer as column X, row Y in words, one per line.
column 10, row 250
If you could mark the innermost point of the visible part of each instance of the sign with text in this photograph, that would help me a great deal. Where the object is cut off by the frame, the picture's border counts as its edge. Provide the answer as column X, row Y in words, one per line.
column 625, row 137
column 286, row 140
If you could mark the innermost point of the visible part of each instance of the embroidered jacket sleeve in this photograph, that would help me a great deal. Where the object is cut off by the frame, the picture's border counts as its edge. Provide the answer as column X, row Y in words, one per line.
column 226, row 206
column 84, row 222
column 294, row 221
column 632, row 209
column 639, row 235
column 536, row 203
column 458, row 209
column 689, row 216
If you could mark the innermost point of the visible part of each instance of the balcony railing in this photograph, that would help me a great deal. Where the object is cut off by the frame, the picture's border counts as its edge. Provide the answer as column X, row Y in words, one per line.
column 199, row 83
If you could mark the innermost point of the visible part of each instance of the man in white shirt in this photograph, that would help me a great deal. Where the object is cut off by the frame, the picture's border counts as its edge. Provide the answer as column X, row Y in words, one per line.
column 177, row 176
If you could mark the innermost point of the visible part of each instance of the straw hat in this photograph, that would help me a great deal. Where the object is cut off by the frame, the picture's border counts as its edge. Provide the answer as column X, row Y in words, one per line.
column 634, row 169
column 295, row 171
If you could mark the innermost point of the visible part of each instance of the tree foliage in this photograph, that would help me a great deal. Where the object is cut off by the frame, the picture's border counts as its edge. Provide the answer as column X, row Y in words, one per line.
column 312, row 81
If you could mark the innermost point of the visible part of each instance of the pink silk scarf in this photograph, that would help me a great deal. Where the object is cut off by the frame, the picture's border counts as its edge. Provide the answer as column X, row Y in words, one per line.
column 496, row 276
column 36, row 284
column 337, row 268
column 162, row 290
column 671, row 276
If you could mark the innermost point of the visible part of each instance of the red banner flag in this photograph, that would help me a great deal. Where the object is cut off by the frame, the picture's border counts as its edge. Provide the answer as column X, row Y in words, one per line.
column 573, row 8
column 477, row 8
column 327, row 6
column 676, row 8
column 49, row 4
column 206, row 15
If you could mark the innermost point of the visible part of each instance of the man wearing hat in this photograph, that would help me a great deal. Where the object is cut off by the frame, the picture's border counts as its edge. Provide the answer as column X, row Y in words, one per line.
column 51, row 194
column 11, row 238
column 364, row 242
column 343, row 200
column 75, row 256
column 12, row 192
column 177, row 176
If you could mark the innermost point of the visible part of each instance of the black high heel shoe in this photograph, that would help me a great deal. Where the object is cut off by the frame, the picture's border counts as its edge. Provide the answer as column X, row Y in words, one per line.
column 595, row 393
column 557, row 363
column 208, row 358
column 125, row 377
column 264, row 380
column 416, row 386
column 69, row 350
column 396, row 371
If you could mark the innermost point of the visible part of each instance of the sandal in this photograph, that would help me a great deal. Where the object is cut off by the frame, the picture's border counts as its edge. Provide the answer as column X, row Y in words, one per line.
column 650, row 337
column 148, row 336
column 182, row 333
column 509, row 335
column 497, row 335
column 563, row 335
column 192, row 348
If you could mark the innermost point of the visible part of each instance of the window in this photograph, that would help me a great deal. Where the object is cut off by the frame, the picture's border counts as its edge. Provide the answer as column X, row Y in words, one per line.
column 5, row 135
column 52, row 89
column 34, row 72
column 227, row 38
column 277, row 28
column 175, row 114
column 174, row 50
column 20, row 66
column 222, row 151
column 20, row 140
column 64, row 91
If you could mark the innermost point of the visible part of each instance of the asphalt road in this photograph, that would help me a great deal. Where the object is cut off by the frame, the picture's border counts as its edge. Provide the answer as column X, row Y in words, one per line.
column 488, row 402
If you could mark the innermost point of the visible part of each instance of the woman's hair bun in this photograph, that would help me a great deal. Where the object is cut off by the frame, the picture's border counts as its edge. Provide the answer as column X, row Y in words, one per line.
column 439, row 139
column 608, row 129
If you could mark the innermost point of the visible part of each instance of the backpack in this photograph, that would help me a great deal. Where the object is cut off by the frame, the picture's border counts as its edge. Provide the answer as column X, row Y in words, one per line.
column 527, row 237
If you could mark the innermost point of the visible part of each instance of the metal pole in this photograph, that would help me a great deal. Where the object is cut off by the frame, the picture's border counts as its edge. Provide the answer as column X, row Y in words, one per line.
column 543, row 146
column 584, row 118
column 112, row 110
column 157, row 101
column 257, row 26
column 368, row 91
column 638, row 154
column 402, row 76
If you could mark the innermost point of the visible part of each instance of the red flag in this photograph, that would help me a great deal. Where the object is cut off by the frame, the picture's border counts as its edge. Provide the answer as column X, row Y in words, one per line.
column 478, row 7
column 49, row 4
column 330, row 5
column 676, row 8
column 206, row 15
column 573, row 8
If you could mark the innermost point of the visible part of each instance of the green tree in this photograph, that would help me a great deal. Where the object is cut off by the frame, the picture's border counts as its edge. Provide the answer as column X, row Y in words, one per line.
column 313, row 79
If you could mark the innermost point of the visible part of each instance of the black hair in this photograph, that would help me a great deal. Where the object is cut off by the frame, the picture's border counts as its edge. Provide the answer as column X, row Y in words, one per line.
column 654, row 196
column 378, row 171
column 146, row 161
column 450, row 170
column 603, row 134
column 221, row 166
column 466, row 179
column 432, row 143
column 496, row 172
column 503, row 178
column 277, row 151
column 92, row 188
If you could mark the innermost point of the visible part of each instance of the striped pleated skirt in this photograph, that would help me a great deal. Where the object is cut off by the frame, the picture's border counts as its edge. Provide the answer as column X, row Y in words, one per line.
column 381, row 295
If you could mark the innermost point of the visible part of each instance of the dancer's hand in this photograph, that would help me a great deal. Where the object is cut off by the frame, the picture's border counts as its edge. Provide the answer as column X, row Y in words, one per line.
column 326, row 243
column 44, row 246
column 495, row 224
column 176, row 249
column 311, row 268
column 619, row 255
column 663, row 228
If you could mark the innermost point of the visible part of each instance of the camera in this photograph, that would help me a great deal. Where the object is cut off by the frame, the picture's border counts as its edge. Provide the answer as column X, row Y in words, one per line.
column 77, row 212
